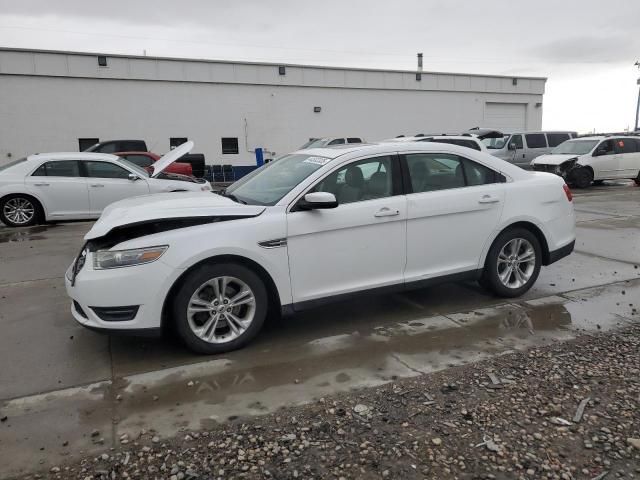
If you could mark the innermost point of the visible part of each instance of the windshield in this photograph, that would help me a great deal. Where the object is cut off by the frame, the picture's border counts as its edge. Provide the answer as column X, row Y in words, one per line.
column 495, row 143
column 577, row 147
column 11, row 164
column 139, row 170
column 315, row 143
column 268, row 184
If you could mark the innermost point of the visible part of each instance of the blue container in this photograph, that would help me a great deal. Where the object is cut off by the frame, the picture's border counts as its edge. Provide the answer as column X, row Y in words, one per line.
column 259, row 157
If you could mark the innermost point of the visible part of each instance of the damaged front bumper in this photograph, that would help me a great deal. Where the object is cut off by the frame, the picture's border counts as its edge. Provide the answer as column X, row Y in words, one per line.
column 564, row 170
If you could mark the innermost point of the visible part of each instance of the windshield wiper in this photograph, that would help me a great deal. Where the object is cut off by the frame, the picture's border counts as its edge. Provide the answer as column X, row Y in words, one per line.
column 232, row 197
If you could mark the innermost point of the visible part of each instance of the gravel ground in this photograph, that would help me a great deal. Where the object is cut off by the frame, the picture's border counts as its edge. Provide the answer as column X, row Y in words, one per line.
column 514, row 416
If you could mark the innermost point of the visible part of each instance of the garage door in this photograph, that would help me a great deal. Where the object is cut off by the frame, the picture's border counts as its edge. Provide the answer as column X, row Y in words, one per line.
column 505, row 116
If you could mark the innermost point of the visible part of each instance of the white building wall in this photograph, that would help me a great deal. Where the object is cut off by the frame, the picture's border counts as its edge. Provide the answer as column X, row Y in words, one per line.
column 49, row 100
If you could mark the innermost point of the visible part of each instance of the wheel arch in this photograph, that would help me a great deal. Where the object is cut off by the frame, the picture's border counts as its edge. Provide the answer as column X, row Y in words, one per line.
column 531, row 227
column 274, row 306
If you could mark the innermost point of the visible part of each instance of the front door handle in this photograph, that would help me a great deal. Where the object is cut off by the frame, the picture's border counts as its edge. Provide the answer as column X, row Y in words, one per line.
column 41, row 184
column 96, row 185
column 488, row 199
column 386, row 212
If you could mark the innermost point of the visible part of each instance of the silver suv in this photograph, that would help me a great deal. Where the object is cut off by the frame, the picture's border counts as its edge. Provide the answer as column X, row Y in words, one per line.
column 520, row 148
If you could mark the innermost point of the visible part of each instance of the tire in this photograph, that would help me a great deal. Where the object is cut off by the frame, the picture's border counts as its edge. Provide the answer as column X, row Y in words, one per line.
column 637, row 179
column 20, row 211
column 582, row 177
column 202, row 318
column 502, row 253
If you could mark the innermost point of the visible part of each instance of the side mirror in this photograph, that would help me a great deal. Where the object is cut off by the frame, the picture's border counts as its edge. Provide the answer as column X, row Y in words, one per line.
column 512, row 146
column 318, row 200
column 133, row 177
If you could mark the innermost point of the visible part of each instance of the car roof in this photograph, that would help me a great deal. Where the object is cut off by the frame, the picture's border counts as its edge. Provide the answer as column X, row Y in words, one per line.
column 72, row 156
column 358, row 149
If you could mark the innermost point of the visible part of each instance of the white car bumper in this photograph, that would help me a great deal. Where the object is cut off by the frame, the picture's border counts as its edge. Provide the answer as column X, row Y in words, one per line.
column 121, row 299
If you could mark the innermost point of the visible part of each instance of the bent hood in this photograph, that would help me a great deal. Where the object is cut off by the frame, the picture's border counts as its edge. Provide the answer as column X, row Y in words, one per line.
column 170, row 157
column 553, row 159
column 165, row 206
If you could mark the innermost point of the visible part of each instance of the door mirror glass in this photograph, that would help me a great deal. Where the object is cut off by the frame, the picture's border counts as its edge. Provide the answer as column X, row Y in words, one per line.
column 133, row 177
column 318, row 200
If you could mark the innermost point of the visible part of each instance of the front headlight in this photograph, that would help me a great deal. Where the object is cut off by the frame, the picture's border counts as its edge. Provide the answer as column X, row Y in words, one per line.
column 104, row 259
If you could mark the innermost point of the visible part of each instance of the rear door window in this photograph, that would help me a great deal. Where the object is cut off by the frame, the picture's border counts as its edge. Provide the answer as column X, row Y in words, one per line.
column 555, row 139
column 61, row 168
column 536, row 140
column 354, row 140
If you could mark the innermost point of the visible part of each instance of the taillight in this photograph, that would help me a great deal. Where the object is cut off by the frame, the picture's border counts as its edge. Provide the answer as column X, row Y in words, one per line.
column 567, row 192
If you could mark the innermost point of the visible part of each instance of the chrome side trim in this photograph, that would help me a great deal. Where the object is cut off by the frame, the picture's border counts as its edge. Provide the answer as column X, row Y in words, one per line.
column 275, row 243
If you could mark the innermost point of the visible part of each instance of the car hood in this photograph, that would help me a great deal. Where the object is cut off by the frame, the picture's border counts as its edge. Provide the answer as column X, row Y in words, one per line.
column 553, row 159
column 170, row 157
column 165, row 206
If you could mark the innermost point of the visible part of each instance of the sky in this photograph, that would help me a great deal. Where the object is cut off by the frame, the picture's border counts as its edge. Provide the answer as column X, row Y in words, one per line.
column 586, row 48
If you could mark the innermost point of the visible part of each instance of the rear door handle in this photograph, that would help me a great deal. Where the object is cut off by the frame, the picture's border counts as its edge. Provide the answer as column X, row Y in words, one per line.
column 41, row 184
column 386, row 212
column 488, row 199
column 96, row 185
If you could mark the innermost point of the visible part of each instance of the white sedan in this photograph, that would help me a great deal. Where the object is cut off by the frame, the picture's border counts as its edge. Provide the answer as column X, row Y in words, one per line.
column 313, row 226
column 75, row 186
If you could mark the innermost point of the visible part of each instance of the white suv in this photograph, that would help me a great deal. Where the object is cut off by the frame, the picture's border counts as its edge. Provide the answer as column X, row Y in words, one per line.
column 584, row 160
column 313, row 226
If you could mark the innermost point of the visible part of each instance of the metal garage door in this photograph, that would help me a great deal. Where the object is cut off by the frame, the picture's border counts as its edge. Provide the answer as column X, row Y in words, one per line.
column 505, row 116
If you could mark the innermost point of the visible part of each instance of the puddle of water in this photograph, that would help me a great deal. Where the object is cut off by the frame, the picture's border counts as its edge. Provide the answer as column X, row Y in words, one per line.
column 26, row 234
column 245, row 384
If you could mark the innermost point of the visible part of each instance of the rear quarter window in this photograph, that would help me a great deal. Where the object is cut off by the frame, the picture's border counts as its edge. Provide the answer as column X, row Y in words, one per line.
column 555, row 139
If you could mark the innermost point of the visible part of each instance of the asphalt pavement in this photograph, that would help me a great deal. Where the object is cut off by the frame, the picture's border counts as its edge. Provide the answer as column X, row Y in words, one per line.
column 60, row 383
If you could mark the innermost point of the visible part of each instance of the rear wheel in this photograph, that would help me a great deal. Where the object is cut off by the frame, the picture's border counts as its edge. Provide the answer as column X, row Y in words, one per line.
column 220, row 308
column 513, row 263
column 637, row 179
column 20, row 211
column 582, row 177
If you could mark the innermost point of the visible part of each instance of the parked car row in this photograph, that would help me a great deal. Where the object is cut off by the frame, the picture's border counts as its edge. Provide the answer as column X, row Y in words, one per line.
column 74, row 186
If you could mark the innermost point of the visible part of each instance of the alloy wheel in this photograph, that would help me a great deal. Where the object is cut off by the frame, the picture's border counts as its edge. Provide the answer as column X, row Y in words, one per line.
column 221, row 309
column 516, row 263
column 19, row 210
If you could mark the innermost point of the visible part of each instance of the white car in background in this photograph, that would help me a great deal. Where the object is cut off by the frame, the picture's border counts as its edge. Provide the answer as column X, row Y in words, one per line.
column 469, row 141
column 76, row 186
column 584, row 160
column 313, row 226
column 330, row 141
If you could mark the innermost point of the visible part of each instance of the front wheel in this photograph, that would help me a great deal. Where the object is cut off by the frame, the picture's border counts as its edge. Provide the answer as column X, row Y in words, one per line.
column 220, row 307
column 19, row 211
column 582, row 177
column 513, row 263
